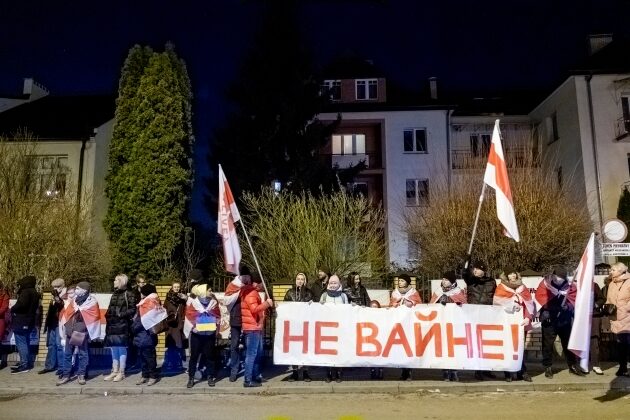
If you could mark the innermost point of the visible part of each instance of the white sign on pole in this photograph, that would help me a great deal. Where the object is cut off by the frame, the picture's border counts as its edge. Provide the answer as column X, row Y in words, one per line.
column 616, row 249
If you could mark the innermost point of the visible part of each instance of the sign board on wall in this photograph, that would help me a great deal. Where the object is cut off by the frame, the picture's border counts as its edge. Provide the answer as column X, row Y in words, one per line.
column 616, row 249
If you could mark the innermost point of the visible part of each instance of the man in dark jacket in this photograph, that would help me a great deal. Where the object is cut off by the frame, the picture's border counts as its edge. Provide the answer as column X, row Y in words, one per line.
column 319, row 285
column 232, row 300
column 24, row 316
column 480, row 291
column 54, row 357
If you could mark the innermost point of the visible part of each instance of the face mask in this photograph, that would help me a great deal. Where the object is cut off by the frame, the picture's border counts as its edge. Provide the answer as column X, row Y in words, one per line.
column 204, row 300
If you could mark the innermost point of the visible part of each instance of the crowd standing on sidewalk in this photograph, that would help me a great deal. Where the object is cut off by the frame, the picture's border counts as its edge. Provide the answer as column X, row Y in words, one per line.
column 192, row 318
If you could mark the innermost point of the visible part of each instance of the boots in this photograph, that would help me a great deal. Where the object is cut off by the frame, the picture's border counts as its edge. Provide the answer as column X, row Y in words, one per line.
column 112, row 375
column 119, row 376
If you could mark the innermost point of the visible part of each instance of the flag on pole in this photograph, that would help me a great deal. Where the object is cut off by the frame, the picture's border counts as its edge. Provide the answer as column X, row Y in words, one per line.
column 496, row 176
column 580, row 339
column 228, row 216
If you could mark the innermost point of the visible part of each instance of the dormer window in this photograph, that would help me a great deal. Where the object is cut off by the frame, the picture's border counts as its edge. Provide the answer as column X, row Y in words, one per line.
column 366, row 89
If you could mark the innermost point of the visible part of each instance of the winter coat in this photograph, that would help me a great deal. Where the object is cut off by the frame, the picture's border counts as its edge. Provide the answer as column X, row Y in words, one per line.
column 4, row 312
column 358, row 295
column 252, row 309
column 480, row 290
column 551, row 298
column 409, row 296
column 122, row 308
column 304, row 294
column 175, row 308
column 24, row 312
column 142, row 337
column 232, row 301
column 619, row 295
column 316, row 289
column 52, row 316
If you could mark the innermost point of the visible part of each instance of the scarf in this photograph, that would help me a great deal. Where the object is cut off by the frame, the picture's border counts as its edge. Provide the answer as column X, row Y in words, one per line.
column 194, row 308
column 90, row 312
column 151, row 311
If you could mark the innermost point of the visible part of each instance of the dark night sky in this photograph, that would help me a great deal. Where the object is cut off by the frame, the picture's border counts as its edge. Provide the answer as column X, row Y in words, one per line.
column 75, row 47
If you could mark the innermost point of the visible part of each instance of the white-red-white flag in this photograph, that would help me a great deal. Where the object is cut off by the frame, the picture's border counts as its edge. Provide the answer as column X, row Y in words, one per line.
column 228, row 216
column 151, row 311
column 496, row 176
column 580, row 339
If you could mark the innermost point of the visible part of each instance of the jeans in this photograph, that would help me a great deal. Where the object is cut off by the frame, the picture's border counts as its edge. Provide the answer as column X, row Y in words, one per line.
column 253, row 354
column 83, row 358
column 202, row 346
column 148, row 359
column 22, row 338
column 54, row 357
column 235, row 354
column 119, row 357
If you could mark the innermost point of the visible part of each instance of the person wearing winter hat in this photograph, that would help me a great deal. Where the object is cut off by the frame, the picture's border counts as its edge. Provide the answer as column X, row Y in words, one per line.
column 23, row 319
column 202, row 318
column 334, row 295
column 54, row 356
column 449, row 292
column 556, row 297
column 514, row 296
column 479, row 291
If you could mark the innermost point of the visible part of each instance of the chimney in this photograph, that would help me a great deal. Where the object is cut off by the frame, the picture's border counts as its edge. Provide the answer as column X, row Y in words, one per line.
column 433, row 87
column 28, row 86
column 598, row 41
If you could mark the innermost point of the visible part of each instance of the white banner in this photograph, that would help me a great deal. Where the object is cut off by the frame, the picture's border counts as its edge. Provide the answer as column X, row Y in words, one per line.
column 467, row 337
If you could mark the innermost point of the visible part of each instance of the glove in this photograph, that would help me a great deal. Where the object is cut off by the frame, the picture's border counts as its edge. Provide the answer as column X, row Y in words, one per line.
column 443, row 300
column 516, row 308
column 525, row 322
column 544, row 316
column 563, row 292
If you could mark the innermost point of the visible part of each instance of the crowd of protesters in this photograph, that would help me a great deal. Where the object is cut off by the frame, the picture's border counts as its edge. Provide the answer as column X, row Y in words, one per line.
column 191, row 320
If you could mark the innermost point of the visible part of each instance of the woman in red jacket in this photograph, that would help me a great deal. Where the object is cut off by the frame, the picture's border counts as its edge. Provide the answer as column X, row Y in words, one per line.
column 253, row 314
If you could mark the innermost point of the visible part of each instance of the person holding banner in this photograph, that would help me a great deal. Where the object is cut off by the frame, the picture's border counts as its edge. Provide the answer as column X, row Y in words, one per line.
column 334, row 294
column 357, row 293
column 405, row 296
column 299, row 293
column 200, row 327
column 253, row 318
column 449, row 292
column 556, row 298
column 618, row 308
column 4, row 324
column 319, row 285
column 514, row 296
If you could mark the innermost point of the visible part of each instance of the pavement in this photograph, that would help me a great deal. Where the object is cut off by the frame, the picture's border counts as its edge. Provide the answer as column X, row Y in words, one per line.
column 355, row 380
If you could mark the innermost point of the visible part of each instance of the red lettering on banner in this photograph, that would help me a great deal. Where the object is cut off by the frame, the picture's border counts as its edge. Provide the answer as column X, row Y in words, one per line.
column 423, row 341
column 368, row 339
column 397, row 337
column 287, row 338
column 515, row 329
column 481, row 343
column 422, row 317
column 319, row 338
column 451, row 341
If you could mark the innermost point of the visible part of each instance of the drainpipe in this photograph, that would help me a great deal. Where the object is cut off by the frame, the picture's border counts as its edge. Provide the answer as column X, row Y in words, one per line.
column 448, row 149
column 80, row 183
column 600, row 207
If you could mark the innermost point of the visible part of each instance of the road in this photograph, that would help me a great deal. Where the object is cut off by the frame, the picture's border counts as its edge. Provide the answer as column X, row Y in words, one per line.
column 548, row 405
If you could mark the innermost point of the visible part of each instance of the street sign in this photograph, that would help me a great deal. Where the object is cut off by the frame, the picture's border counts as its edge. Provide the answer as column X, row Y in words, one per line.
column 616, row 249
column 615, row 230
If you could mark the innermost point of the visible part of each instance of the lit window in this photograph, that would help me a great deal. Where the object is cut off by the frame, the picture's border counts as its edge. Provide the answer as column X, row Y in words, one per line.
column 348, row 144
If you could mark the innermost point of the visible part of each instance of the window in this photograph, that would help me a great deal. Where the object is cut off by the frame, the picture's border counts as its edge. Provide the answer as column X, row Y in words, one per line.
column 417, row 192
column 331, row 88
column 480, row 144
column 559, row 175
column 51, row 176
column 366, row 89
column 625, row 108
column 415, row 140
column 348, row 144
column 358, row 188
column 553, row 127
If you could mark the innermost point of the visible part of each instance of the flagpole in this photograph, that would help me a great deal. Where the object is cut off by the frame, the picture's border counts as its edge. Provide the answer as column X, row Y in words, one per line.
column 251, row 248
column 474, row 232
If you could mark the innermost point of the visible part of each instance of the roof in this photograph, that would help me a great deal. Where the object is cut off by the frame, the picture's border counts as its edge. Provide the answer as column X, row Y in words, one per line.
column 59, row 117
column 508, row 103
column 613, row 58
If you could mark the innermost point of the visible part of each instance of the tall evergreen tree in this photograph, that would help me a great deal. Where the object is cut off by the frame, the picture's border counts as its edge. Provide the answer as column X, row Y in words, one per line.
column 151, row 186
column 274, row 133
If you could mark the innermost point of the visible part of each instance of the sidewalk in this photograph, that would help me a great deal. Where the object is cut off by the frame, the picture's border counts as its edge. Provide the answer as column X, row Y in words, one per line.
column 356, row 380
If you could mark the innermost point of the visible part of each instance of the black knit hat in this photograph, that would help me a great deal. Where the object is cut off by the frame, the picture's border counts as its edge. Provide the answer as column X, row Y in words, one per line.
column 560, row 272
column 480, row 265
column 450, row 276
column 147, row 289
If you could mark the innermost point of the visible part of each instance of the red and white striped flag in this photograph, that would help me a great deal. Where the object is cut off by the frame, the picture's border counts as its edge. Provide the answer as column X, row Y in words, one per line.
column 580, row 339
column 496, row 176
column 91, row 315
column 151, row 311
column 228, row 216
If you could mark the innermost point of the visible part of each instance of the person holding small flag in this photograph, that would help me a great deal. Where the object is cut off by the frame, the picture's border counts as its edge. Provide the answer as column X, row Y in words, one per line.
column 145, row 327
column 200, row 326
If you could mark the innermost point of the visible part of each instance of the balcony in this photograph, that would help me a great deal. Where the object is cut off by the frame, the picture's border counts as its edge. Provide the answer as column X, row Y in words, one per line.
column 520, row 157
column 622, row 128
column 371, row 160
